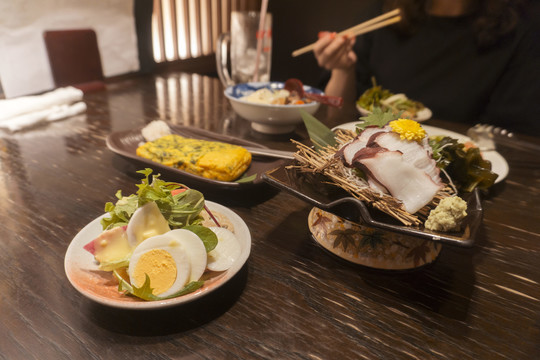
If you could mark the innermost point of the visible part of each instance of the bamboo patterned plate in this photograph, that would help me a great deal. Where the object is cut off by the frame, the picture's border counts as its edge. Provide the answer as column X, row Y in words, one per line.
column 369, row 246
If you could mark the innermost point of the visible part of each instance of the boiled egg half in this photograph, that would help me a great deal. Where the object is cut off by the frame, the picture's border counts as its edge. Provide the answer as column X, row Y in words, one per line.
column 170, row 261
column 146, row 221
column 226, row 252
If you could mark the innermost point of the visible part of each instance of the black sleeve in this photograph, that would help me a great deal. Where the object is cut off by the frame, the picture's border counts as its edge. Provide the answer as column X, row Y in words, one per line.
column 515, row 100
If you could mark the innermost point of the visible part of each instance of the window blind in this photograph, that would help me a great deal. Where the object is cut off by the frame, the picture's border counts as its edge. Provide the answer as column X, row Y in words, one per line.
column 184, row 29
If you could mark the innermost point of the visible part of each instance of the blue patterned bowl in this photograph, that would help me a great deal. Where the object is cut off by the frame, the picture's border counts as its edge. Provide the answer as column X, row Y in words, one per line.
column 266, row 118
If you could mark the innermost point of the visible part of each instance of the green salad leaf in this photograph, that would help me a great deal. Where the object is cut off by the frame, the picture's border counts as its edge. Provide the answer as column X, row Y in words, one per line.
column 208, row 237
column 145, row 291
column 179, row 210
column 113, row 265
column 121, row 212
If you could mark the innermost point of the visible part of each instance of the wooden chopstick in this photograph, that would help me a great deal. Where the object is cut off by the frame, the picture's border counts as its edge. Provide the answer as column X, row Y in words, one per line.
column 367, row 24
column 378, row 22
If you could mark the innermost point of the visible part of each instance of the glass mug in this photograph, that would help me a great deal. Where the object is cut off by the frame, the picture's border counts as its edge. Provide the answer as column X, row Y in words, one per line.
column 243, row 41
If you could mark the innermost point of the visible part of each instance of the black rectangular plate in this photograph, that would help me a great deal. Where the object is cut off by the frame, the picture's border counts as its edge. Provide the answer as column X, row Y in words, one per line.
column 125, row 143
column 335, row 200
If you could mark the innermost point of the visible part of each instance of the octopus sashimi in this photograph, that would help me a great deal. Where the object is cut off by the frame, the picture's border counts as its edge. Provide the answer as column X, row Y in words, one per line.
column 412, row 186
column 359, row 142
column 412, row 151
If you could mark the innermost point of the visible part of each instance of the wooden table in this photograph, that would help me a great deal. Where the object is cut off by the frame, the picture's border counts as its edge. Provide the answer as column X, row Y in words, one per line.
column 292, row 300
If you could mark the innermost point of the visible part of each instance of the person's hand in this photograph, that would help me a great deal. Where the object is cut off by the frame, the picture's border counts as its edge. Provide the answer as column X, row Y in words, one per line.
column 334, row 52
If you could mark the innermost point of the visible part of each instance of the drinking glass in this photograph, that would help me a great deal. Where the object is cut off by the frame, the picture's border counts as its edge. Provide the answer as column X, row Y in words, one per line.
column 242, row 41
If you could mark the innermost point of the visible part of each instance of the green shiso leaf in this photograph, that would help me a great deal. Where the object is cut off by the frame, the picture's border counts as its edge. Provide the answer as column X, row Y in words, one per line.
column 378, row 117
column 320, row 135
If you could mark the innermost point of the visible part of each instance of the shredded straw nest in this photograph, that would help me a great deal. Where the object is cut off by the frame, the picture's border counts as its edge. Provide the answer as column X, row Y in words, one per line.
column 324, row 162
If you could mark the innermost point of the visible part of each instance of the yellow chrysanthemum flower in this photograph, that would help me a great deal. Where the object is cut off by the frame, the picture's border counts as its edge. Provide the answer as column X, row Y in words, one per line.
column 408, row 129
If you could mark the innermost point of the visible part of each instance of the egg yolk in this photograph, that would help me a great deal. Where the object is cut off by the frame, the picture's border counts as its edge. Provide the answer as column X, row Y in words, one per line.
column 160, row 267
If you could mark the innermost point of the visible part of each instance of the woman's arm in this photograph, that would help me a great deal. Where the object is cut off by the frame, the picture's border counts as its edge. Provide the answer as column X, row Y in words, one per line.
column 336, row 54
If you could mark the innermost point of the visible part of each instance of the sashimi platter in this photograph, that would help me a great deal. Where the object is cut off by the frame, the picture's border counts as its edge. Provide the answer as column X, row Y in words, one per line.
column 390, row 181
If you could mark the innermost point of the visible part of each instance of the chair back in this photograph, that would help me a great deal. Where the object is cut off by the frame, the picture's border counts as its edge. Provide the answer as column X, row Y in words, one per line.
column 74, row 58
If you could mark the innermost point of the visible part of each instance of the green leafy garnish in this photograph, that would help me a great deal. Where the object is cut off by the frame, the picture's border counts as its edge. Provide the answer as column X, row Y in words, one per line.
column 121, row 212
column 376, row 96
column 465, row 166
column 378, row 117
column 179, row 210
column 113, row 265
column 247, row 179
column 145, row 291
column 320, row 135
column 372, row 97
column 208, row 237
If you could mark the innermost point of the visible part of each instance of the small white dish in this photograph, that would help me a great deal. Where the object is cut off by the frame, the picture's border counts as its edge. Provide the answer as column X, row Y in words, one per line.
column 499, row 165
column 421, row 115
column 265, row 118
column 83, row 273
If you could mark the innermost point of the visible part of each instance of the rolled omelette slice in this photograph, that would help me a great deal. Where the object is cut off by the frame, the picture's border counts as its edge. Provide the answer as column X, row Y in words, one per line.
column 210, row 159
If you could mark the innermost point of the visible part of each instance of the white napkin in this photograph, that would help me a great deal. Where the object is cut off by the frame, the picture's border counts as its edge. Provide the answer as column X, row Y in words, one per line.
column 22, row 112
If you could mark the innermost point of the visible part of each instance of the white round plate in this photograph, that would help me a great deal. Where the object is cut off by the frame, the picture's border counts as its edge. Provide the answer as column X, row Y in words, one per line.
column 421, row 115
column 83, row 273
column 498, row 164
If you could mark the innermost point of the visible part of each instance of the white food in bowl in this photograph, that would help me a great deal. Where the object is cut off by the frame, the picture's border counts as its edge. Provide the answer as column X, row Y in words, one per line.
column 267, row 96
column 268, row 118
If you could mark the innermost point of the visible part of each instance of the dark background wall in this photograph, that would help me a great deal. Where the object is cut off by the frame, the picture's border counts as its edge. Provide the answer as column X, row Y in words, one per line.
column 296, row 23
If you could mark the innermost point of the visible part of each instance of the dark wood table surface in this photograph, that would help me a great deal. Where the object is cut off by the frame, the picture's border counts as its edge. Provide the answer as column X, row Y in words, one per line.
column 292, row 299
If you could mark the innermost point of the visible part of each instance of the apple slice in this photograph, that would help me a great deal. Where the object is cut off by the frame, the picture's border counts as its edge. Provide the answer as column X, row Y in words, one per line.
column 147, row 221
